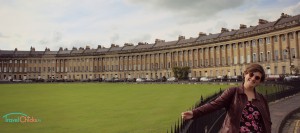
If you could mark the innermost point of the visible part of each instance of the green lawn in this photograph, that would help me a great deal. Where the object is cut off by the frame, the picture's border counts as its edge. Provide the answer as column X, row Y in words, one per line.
column 96, row 107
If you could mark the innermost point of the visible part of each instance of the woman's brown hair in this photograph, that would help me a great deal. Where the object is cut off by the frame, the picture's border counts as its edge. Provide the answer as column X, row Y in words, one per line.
column 255, row 68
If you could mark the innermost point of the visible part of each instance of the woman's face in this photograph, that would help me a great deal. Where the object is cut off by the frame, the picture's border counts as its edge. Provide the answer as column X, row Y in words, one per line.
column 252, row 79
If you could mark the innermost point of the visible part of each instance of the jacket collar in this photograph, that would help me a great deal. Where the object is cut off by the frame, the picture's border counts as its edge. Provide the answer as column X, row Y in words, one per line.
column 241, row 91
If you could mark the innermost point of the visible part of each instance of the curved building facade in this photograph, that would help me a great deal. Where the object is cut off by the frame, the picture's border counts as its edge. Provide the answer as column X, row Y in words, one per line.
column 274, row 45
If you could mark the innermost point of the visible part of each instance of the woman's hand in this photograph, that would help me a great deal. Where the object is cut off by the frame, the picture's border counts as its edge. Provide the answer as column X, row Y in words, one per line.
column 187, row 115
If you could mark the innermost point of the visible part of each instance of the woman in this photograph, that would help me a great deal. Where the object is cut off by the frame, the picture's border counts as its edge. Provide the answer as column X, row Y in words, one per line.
column 247, row 110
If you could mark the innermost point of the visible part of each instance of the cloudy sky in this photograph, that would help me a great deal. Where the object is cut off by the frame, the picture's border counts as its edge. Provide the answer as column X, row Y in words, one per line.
column 68, row 23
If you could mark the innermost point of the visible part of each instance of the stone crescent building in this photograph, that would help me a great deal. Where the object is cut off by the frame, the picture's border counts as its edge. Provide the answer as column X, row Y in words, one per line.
column 274, row 45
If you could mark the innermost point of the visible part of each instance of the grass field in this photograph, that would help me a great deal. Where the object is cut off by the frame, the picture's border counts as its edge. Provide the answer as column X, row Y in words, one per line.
column 103, row 108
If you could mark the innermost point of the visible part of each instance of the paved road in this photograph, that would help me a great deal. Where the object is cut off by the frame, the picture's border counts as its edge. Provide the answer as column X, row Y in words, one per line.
column 281, row 109
column 292, row 125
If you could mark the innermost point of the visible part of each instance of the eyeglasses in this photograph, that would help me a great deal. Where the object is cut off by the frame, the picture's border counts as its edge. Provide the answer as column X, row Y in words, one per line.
column 256, row 77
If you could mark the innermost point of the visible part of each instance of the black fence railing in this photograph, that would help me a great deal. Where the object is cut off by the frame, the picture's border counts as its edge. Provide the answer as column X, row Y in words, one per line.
column 212, row 122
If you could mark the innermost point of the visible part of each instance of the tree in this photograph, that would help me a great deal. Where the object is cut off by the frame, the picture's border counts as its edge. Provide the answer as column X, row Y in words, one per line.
column 296, row 70
column 181, row 72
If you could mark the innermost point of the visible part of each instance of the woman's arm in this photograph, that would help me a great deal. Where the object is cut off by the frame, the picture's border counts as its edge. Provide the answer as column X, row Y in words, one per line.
column 220, row 102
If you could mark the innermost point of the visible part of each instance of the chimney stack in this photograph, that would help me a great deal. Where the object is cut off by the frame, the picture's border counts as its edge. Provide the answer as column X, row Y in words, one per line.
column 128, row 44
column 181, row 38
column 224, row 30
column 242, row 26
column 32, row 48
column 202, row 34
column 262, row 21
column 158, row 40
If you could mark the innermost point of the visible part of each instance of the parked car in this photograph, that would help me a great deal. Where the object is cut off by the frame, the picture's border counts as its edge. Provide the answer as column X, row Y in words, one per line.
column 221, row 78
column 275, row 78
column 291, row 78
column 17, row 80
column 194, row 79
column 108, row 80
column 140, row 80
column 149, row 80
column 236, row 78
column 205, row 79
column 131, row 80
column 172, row 79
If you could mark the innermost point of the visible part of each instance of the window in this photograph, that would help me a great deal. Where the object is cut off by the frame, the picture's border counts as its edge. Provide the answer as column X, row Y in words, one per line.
column 284, row 54
column 261, row 57
column 16, row 61
column 283, row 70
column 261, row 41
column 275, row 70
column 228, row 61
column 276, row 55
column 275, row 38
column 201, row 62
column 291, row 36
column 268, row 40
column 248, row 58
column 268, row 56
column 283, row 37
column 253, row 43
column 293, row 53
column 235, row 59
column 254, row 57
column 190, row 63
column 223, row 60
column 241, row 59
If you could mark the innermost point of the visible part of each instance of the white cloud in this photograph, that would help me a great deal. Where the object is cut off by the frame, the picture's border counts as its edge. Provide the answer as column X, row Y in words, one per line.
column 294, row 9
column 68, row 23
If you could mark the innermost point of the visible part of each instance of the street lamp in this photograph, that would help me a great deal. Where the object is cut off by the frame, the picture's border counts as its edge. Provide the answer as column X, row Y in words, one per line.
column 288, row 50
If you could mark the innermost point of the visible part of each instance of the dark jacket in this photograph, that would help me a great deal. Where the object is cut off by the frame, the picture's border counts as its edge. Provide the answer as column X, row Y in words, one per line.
column 234, row 100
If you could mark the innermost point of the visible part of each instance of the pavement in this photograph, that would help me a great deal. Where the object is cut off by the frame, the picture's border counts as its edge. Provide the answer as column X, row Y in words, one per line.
column 292, row 125
column 284, row 115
